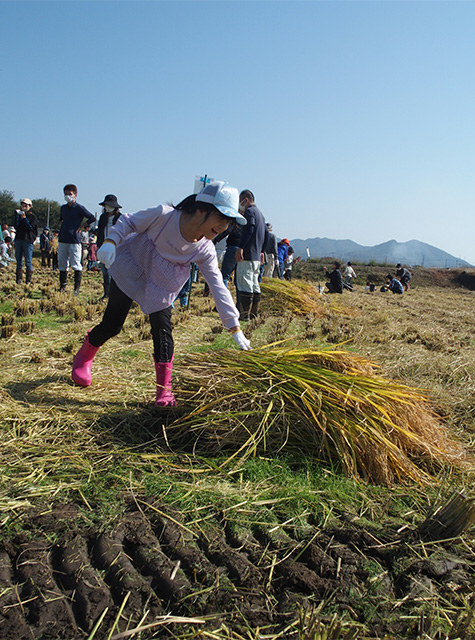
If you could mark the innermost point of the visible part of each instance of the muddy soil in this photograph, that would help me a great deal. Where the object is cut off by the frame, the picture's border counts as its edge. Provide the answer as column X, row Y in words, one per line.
column 64, row 577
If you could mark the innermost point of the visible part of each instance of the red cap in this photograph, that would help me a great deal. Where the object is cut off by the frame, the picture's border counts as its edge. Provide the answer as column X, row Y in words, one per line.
column 285, row 241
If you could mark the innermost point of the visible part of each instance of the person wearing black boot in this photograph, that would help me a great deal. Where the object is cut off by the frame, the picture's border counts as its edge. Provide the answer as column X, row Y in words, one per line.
column 69, row 248
column 250, row 256
column 26, row 226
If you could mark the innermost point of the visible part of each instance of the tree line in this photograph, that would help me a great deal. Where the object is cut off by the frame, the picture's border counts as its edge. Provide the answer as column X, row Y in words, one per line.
column 8, row 206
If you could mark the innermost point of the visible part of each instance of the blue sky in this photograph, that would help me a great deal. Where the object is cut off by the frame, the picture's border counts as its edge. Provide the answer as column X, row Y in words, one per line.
column 347, row 119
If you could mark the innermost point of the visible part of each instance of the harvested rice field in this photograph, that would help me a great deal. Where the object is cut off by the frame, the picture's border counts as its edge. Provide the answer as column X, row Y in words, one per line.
column 317, row 487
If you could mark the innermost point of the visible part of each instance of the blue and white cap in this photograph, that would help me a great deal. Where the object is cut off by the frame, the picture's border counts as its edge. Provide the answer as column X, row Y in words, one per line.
column 224, row 197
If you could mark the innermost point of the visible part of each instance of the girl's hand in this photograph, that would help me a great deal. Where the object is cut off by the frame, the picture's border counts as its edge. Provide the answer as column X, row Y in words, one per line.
column 241, row 340
column 106, row 253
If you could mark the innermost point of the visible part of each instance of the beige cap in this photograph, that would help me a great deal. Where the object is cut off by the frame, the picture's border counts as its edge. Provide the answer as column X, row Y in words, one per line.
column 27, row 201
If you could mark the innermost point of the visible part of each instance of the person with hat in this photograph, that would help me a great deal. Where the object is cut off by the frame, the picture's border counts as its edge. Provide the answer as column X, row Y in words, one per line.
column 26, row 226
column 282, row 253
column 70, row 248
column 149, row 255
column 45, row 247
column 110, row 214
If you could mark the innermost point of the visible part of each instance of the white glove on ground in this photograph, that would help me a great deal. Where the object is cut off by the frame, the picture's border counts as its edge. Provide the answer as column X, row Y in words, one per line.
column 106, row 254
column 241, row 341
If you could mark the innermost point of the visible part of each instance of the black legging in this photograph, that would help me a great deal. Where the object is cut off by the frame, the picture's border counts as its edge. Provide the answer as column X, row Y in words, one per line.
column 115, row 315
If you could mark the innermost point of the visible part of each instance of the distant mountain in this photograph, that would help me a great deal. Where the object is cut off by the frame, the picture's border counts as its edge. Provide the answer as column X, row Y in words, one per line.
column 412, row 253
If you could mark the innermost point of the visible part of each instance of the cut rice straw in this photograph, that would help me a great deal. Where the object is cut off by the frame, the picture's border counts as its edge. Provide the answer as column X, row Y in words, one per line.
column 326, row 404
column 299, row 297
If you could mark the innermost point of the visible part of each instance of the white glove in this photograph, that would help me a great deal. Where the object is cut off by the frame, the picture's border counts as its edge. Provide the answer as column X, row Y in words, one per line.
column 241, row 341
column 106, row 254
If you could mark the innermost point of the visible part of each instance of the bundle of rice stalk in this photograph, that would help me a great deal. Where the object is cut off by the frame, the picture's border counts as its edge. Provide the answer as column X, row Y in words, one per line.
column 298, row 297
column 327, row 404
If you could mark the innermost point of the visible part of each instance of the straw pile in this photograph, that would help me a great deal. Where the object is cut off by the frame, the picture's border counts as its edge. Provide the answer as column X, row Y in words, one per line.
column 298, row 297
column 326, row 404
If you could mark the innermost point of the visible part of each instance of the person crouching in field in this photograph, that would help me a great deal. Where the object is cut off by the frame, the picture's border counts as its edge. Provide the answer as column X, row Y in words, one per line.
column 336, row 281
column 393, row 284
column 149, row 255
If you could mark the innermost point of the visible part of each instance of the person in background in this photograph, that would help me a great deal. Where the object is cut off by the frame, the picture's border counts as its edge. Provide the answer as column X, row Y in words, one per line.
column 350, row 275
column 149, row 255
column 393, row 284
column 12, row 234
column 70, row 249
column 5, row 257
column 250, row 256
column 336, row 281
column 54, row 250
column 228, row 264
column 92, row 253
column 6, row 234
column 404, row 275
column 288, row 265
column 283, row 252
column 26, row 227
column 370, row 286
column 110, row 214
column 84, row 237
column 271, row 254
column 45, row 247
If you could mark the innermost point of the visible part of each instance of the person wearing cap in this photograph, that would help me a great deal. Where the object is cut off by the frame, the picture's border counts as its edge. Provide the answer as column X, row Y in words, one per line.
column 110, row 214
column 282, row 253
column 149, row 255
column 26, row 227
column 271, row 253
column 250, row 256
column 70, row 248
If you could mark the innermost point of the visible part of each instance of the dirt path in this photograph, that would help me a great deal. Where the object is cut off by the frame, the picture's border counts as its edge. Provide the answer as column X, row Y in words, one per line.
column 59, row 580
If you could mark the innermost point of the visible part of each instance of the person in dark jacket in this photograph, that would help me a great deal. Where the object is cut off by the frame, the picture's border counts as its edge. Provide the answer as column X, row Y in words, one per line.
column 228, row 264
column 270, row 254
column 250, row 256
column 70, row 249
column 336, row 281
column 26, row 227
column 45, row 247
column 110, row 215
column 404, row 276
column 393, row 284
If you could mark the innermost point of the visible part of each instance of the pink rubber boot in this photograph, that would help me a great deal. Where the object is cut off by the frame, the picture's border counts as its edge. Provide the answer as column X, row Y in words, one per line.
column 165, row 397
column 82, row 363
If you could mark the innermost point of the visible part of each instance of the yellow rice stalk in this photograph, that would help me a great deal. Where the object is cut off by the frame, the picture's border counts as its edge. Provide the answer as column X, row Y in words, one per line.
column 298, row 297
column 326, row 404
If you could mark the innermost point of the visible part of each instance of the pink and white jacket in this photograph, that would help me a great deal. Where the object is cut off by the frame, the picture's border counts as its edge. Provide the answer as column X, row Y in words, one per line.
column 153, row 262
